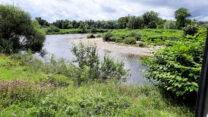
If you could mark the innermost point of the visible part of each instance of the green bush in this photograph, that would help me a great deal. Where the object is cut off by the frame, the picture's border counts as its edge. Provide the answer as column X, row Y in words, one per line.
column 90, row 36
column 112, row 70
column 176, row 69
column 142, row 44
column 130, row 40
column 52, row 28
column 91, row 67
column 16, row 23
column 98, row 36
column 190, row 29
column 116, row 39
column 107, row 36
column 137, row 36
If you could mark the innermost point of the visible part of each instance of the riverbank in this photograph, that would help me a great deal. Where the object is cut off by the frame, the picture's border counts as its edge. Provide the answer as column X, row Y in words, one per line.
column 26, row 91
column 117, row 47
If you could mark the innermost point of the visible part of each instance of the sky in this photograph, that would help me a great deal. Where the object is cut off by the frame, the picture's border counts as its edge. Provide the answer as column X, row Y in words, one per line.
column 53, row 10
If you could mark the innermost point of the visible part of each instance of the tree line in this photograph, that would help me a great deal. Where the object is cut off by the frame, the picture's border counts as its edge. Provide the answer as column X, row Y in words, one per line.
column 149, row 19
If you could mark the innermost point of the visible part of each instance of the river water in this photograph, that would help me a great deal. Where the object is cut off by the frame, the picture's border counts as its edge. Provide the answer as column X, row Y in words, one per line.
column 60, row 47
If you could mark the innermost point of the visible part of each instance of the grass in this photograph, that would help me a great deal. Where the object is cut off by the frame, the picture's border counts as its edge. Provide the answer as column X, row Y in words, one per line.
column 35, row 93
column 10, row 70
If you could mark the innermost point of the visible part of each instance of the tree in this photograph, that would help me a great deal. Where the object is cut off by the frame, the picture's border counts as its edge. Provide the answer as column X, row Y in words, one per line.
column 132, row 22
column 140, row 22
column 63, row 24
column 18, row 31
column 42, row 22
column 181, row 14
column 122, row 22
column 82, row 28
column 150, row 19
column 170, row 25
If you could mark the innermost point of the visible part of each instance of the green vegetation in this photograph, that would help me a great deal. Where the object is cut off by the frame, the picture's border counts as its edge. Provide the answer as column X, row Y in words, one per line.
column 72, row 31
column 148, row 20
column 177, row 68
column 89, row 62
column 170, row 25
column 150, row 36
column 181, row 14
column 191, row 28
column 130, row 40
column 89, row 86
column 142, row 44
column 90, row 36
column 16, row 24
column 39, row 92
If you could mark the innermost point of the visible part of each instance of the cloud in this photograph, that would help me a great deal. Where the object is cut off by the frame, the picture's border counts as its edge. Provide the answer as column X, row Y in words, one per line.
column 52, row 10
column 108, row 9
column 198, row 8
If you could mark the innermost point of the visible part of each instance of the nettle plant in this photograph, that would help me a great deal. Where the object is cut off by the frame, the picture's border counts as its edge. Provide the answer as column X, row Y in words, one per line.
column 177, row 68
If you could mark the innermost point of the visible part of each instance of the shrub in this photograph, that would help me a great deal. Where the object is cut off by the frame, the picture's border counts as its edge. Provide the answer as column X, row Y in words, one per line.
column 15, row 24
column 190, row 29
column 142, row 44
column 91, row 67
column 112, row 70
column 137, row 36
column 107, row 36
column 130, row 40
column 176, row 69
column 90, row 36
column 87, row 56
column 116, row 39
column 52, row 28
column 98, row 35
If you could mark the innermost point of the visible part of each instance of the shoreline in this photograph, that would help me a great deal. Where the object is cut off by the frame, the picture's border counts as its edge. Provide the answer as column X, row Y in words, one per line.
column 117, row 47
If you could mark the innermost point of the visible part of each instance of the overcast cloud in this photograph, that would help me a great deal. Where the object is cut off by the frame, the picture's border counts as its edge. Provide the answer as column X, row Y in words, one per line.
column 52, row 10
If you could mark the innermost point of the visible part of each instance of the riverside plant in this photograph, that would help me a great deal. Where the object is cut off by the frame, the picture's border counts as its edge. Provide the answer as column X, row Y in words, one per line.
column 176, row 69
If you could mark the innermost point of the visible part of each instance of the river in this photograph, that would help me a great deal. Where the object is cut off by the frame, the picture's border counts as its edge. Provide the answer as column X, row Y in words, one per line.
column 60, row 45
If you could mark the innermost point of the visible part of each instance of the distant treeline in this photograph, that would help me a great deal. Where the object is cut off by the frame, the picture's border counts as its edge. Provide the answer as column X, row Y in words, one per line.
column 149, row 19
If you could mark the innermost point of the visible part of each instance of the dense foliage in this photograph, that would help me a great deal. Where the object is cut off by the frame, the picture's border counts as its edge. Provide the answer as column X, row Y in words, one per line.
column 190, row 29
column 130, row 40
column 18, row 31
column 89, row 62
column 181, row 14
column 42, row 22
column 90, row 36
column 42, row 93
column 170, row 25
column 148, row 20
column 177, row 68
column 150, row 36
